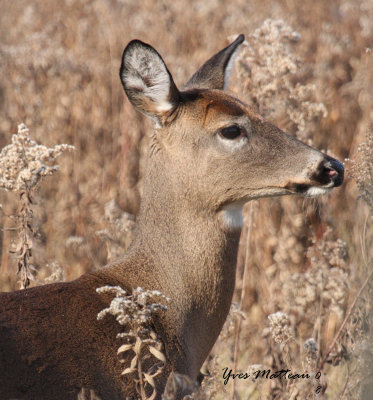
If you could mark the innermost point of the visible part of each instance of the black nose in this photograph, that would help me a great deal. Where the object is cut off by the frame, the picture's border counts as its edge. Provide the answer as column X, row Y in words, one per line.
column 330, row 171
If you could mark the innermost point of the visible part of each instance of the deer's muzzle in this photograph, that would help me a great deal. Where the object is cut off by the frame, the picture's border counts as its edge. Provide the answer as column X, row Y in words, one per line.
column 329, row 173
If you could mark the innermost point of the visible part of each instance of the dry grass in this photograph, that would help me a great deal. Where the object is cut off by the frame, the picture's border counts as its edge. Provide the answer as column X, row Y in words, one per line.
column 311, row 75
column 134, row 312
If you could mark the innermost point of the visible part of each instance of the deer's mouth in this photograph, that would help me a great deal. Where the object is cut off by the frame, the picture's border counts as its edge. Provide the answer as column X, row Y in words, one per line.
column 310, row 190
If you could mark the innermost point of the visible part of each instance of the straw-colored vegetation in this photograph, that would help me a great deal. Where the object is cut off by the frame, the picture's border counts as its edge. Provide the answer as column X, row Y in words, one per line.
column 303, row 278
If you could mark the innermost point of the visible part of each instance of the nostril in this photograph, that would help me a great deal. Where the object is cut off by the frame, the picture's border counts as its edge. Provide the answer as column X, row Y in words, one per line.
column 336, row 165
column 330, row 172
column 334, row 170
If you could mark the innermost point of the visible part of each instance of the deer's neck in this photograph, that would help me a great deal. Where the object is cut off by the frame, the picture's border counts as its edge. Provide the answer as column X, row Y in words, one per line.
column 190, row 254
column 191, row 258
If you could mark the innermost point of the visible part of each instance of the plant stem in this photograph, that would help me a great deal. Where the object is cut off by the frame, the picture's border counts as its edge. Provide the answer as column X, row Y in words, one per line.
column 139, row 370
column 348, row 314
column 243, row 294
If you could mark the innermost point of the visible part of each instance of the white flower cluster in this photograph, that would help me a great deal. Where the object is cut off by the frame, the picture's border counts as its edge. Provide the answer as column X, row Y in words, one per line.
column 327, row 279
column 280, row 327
column 24, row 162
column 135, row 308
column 268, row 66
column 273, row 53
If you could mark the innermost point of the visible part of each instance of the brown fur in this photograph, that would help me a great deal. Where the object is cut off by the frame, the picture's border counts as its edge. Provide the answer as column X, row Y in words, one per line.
column 51, row 344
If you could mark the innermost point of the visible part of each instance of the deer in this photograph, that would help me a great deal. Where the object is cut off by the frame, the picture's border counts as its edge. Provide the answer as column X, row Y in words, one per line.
column 209, row 153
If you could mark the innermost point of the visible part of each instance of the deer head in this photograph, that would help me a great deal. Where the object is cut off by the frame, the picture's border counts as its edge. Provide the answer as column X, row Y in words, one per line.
column 217, row 152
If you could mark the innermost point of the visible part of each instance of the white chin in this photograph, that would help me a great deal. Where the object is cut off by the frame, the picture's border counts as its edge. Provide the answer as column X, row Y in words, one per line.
column 316, row 191
column 232, row 215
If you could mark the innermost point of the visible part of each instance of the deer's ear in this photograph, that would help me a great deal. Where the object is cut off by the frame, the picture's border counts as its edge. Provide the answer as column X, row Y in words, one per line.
column 147, row 81
column 214, row 73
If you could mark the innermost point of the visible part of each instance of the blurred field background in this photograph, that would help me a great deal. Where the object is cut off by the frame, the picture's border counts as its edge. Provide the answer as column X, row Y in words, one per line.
column 307, row 67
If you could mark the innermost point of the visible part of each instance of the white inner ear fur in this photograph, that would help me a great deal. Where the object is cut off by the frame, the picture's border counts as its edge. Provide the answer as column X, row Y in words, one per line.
column 148, row 74
column 229, row 68
column 232, row 215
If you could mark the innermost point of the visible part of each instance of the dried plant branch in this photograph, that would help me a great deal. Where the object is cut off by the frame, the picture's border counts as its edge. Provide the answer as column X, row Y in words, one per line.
column 362, row 169
column 346, row 318
column 243, row 294
column 135, row 312
column 23, row 249
column 23, row 164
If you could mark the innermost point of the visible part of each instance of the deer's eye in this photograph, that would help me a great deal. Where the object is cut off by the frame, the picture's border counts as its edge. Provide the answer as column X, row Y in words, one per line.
column 231, row 132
